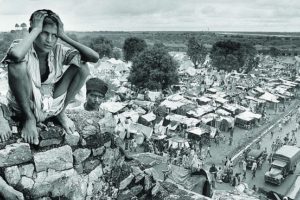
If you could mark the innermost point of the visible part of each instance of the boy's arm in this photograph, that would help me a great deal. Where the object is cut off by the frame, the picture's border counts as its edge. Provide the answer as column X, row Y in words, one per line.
column 18, row 52
column 87, row 54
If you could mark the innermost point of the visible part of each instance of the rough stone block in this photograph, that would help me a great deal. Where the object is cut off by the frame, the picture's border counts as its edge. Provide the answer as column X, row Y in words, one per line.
column 15, row 154
column 26, row 170
column 136, row 189
column 90, row 165
column 47, row 181
column 58, row 159
column 126, row 182
column 12, row 175
column 81, row 155
column 51, row 133
column 49, row 142
column 98, row 151
column 79, row 168
column 72, row 139
column 25, row 183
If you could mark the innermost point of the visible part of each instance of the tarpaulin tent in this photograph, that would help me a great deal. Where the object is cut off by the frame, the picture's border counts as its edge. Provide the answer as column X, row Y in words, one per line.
column 246, row 119
column 178, row 143
column 269, row 97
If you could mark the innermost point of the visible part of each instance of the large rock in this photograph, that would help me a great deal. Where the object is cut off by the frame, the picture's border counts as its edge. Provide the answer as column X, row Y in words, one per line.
column 90, row 164
column 47, row 181
column 126, row 182
column 98, row 151
column 12, row 175
column 136, row 190
column 72, row 139
column 50, row 142
column 15, row 154
column 25, row 184
column 95, row 182
column 26, row 170
column 58, row 159
column 81, row 155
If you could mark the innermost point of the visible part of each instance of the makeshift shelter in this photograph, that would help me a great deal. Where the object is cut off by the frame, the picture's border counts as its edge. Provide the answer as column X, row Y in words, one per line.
column 178, row 143
column 225, row 122
column 153, row 96
column 147, row 119
column 140, row 132
column 234, row 109
column 269, row 97
column 209, row 119
column 203, row 100
column 246, row 119
column 200, row 111
column 171, row 105
column 148, row 105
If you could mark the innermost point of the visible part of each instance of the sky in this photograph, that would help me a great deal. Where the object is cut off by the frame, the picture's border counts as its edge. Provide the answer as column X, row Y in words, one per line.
column 160, row 15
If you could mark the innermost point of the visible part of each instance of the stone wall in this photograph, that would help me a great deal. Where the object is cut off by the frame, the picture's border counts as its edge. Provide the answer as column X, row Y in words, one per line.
column 85, row 165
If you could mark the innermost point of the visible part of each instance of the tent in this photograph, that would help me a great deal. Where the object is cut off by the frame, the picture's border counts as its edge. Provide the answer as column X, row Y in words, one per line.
column 201, row 110
column 178, row 142
column 246, row 119
column 269, row 97
column 139, row 129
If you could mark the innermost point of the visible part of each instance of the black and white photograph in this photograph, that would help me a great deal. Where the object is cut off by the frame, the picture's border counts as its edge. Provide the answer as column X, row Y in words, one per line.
column 149, row 100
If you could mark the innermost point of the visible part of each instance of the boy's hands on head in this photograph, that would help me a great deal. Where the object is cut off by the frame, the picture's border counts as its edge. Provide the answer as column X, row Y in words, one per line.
column 38, row 19
column 60, row 28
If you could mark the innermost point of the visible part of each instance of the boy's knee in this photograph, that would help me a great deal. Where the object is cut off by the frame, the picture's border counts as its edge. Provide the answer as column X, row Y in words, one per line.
column 84, row 70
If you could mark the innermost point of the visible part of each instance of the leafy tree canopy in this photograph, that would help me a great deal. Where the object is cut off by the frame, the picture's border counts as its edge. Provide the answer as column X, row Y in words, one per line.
column 154, row 69
column 103, row 46
column 133, row 46
column 229, row 55
column 274, row 52
column 196, row 51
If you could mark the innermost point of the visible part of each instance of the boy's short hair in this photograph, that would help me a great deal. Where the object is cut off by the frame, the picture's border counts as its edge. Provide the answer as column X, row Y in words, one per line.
column 49, row 19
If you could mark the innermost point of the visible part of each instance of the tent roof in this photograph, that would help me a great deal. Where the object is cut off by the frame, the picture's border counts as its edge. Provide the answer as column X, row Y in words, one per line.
column 248, row 116
column 197, row 131
column 269, row 97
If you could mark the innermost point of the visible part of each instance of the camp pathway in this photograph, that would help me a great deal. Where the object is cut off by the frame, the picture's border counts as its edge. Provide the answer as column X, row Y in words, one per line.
column 243, row 139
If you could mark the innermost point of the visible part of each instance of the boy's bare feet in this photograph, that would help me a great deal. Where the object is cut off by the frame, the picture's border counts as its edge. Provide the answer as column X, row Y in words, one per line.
column 66, row 123
column 5, row 132
column 29, row 132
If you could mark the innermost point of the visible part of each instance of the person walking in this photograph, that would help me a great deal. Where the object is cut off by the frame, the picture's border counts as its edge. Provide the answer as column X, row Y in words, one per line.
column 254, row 168
column 208, row 151
column 244, row 169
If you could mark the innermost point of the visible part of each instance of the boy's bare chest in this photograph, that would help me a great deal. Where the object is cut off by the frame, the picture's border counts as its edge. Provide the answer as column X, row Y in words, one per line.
column 44, row 68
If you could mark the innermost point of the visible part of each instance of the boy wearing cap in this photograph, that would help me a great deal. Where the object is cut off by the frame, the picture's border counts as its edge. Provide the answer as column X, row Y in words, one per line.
column 95, row 93
column 44, row 76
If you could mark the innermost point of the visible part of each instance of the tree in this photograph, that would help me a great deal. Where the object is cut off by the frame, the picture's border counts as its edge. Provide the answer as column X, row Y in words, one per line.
column 196, row 51
column 117, row 53
column 154, row 68
column 103, row 46
column 132, row 47
column 7, row 39
column 229, row 55
column 24, row 26
column 17, row 26
column 274, row 52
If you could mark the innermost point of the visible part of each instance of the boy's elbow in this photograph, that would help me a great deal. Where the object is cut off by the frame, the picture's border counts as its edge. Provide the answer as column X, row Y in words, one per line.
column 94, row 58
column 14, row 56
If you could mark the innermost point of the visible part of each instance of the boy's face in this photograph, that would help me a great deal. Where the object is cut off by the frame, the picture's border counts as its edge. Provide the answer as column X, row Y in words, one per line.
column 47, row 38
column 94, row 99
